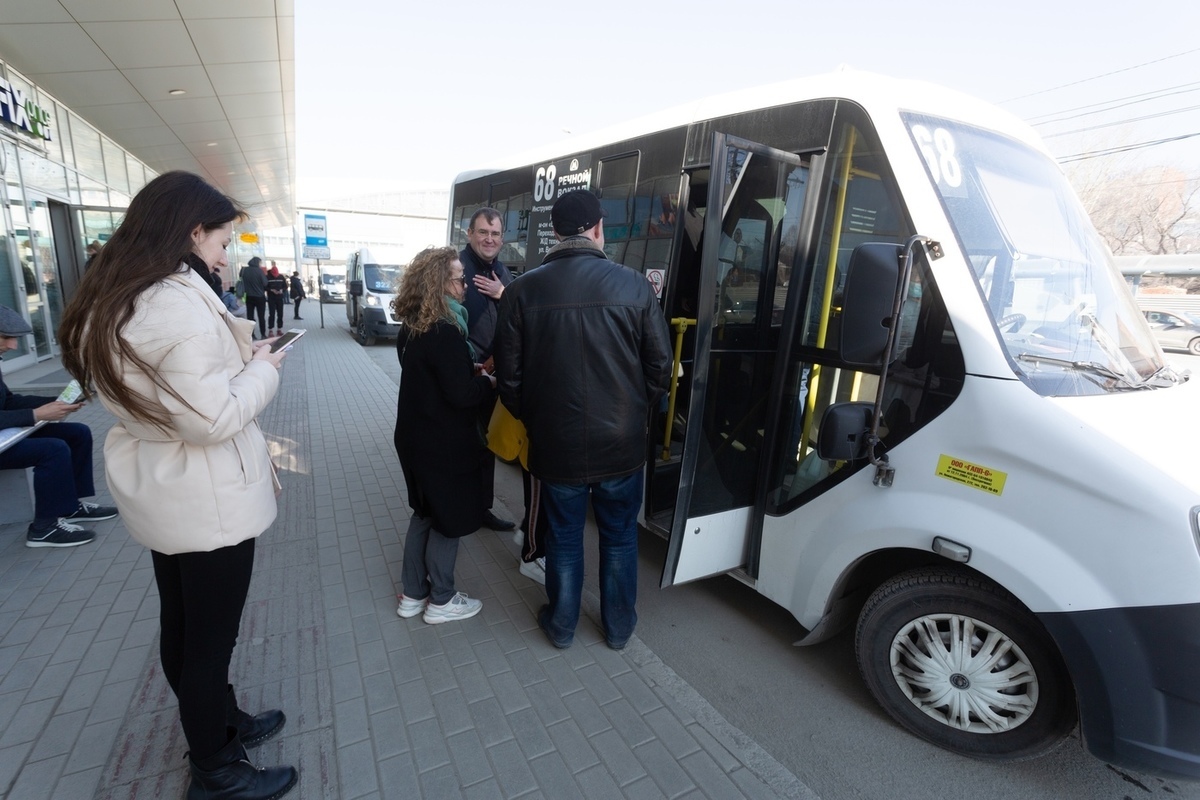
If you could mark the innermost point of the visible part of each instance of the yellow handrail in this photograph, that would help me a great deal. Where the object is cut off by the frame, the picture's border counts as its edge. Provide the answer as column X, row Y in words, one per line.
column 830, row 278
column 680, row 324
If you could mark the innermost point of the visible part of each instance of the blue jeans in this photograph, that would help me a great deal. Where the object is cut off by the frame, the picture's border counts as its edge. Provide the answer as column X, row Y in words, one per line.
column 615, row 503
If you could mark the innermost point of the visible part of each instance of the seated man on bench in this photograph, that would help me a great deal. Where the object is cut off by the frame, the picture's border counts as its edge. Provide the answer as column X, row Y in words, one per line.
column 60, row 454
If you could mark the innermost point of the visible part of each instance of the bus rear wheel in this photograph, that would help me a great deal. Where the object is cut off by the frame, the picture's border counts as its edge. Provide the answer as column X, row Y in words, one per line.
column 961, row 663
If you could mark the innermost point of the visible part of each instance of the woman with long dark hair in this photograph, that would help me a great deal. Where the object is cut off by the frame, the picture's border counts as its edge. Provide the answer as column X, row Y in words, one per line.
column 437, row 434
column 185, row 461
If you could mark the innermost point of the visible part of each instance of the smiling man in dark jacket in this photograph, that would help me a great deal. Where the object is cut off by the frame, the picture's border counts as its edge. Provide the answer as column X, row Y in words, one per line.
column 582, row 355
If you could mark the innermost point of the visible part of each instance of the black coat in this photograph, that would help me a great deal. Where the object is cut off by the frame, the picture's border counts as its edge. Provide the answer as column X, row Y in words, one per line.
column 582, row 355
column 481, row 309
column 437, row 435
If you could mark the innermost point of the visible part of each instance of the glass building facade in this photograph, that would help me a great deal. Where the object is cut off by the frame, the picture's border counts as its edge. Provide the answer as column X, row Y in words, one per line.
column 64, row 186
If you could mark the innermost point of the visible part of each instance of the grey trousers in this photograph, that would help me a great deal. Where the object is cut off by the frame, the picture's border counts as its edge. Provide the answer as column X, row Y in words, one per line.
column 429, row 558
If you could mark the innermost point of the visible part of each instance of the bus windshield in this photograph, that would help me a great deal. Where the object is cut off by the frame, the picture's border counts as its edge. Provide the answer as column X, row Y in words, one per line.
column 1063, row 311
column 381, row 277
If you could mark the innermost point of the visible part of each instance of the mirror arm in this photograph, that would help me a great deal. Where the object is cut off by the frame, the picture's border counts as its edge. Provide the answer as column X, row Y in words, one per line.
column 933, row 250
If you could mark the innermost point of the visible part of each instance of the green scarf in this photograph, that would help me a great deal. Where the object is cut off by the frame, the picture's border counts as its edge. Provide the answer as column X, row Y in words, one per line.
column 458, row 315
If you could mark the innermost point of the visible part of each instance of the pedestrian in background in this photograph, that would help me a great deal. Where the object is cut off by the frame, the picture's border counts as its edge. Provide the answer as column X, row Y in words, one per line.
column 582, row 356
column 254, row 284
column 185, row 459
column 297, row 294
column 277, row 287
column 438, row 438
column 486, row 278
column 60, row 454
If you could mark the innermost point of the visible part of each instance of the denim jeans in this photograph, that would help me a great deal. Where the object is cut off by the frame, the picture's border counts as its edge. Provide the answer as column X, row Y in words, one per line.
column 615, row 504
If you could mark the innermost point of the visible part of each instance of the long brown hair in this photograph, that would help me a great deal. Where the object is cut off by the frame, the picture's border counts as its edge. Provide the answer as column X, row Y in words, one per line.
column 152, row 241
column 421, row 298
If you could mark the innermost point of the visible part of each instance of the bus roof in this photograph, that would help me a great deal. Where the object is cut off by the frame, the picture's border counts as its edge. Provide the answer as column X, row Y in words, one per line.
column 879, row 94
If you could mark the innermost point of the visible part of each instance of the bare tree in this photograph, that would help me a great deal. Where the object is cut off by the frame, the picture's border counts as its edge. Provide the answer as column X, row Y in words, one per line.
column 1146, row 211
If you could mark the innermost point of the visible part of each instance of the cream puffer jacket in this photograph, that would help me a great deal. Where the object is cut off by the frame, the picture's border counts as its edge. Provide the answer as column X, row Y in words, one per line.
column 207, row 481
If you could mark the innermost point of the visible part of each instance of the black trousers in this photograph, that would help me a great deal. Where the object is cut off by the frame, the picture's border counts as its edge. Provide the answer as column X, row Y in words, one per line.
column 202, row 596
column 296, row 307
column 257, row 305
column 61, row 457
column 274, row 311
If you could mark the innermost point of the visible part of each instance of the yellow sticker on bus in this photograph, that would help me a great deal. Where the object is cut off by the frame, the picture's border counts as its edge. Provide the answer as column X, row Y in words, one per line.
column 974, row 475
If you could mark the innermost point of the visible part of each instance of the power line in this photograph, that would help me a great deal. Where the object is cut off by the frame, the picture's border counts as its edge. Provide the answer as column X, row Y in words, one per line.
column 1126, row 121
column 1123, row 149
column 1104, row 75
column 1111, row 105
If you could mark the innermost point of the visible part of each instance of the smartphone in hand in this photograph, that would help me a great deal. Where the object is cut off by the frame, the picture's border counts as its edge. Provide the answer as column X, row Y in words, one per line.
column 287, row 339
column 71, row 394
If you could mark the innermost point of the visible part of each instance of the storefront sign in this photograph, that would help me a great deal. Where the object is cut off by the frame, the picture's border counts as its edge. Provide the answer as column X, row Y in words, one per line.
column 21, row 112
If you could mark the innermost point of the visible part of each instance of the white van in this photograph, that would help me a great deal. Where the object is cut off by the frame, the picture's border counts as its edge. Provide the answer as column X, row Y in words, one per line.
column 333, row 284
column 372, row 288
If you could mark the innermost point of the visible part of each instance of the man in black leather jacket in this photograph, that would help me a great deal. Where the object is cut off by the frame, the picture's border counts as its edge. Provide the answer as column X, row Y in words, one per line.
column 582, row 356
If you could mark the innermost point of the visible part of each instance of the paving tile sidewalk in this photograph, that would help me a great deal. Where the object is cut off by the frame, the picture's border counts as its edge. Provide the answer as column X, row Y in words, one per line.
column 378, row 707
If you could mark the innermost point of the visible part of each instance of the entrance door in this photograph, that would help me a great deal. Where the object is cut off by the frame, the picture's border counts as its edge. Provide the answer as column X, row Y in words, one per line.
column 39, row 270
column 752, row 222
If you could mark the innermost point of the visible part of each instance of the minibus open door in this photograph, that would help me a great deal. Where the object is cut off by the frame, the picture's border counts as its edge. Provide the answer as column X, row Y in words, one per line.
column 752, row 223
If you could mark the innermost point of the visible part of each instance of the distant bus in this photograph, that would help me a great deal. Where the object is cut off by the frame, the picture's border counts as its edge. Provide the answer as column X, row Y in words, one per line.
column 914, row 396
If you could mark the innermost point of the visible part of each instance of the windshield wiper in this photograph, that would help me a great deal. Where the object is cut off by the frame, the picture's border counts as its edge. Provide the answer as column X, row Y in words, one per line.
column 1093, row 367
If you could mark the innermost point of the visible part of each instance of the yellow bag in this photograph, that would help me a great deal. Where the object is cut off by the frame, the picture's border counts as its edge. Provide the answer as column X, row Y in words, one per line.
column 506, row 436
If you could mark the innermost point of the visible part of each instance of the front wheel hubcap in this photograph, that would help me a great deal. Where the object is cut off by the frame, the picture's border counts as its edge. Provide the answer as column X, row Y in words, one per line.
column 964, row 673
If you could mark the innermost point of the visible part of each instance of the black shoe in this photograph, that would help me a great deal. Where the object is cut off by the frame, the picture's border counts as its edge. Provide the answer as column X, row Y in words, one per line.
column 229, row 775
column 490, row 520
column 252, row 730
column 90, row 512
column 61, row 534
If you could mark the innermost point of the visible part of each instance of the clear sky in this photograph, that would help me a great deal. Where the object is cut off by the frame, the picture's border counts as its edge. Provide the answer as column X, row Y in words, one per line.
column 395, row 94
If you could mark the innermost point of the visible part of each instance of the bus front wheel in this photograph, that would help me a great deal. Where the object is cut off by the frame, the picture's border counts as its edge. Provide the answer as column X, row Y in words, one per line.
column 364, row 338
column 961, row 663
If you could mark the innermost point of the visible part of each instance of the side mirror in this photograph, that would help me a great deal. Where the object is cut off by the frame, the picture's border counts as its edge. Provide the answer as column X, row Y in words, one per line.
column 844, row 432
column 356, row 288
column 867, row 302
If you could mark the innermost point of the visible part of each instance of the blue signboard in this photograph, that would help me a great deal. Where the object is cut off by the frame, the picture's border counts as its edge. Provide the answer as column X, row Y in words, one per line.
column 314, row 231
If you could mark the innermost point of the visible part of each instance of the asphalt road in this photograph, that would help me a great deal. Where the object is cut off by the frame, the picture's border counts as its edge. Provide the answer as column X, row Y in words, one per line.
column 807, row 706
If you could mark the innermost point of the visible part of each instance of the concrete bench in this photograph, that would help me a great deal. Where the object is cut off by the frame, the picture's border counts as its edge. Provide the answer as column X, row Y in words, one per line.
column 16, row 487
column 16, row 490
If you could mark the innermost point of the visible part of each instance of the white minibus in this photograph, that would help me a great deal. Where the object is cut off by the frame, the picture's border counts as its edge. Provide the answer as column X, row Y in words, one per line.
column 914, row 396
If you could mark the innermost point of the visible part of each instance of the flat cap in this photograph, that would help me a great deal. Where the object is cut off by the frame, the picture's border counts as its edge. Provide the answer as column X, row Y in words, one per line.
column 12, row 324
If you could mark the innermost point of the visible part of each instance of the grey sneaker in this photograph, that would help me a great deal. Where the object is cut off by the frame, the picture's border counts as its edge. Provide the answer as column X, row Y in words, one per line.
column 409, row 607
column 535, row 570
column 90, row 512
column 61, row 534
column 458, row 607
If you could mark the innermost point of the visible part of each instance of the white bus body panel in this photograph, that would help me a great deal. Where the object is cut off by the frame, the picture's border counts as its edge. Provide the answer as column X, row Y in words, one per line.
column 1095, row 512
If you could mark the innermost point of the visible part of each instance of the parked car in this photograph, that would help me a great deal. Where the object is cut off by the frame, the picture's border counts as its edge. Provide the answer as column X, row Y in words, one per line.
column 1176, row 330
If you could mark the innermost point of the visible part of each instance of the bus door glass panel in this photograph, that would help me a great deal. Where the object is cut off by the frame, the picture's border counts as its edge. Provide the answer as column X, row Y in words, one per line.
column 755, row 199
column 860, row 202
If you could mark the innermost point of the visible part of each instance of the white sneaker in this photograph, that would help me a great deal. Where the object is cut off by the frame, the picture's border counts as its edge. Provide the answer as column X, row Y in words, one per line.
column 409, row 607
column 519, row 537
column 458, row 607
column 535, row 570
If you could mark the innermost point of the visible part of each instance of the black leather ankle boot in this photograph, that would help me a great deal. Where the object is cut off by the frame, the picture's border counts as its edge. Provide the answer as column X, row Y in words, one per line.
column 252, row 730
column 229, row 775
